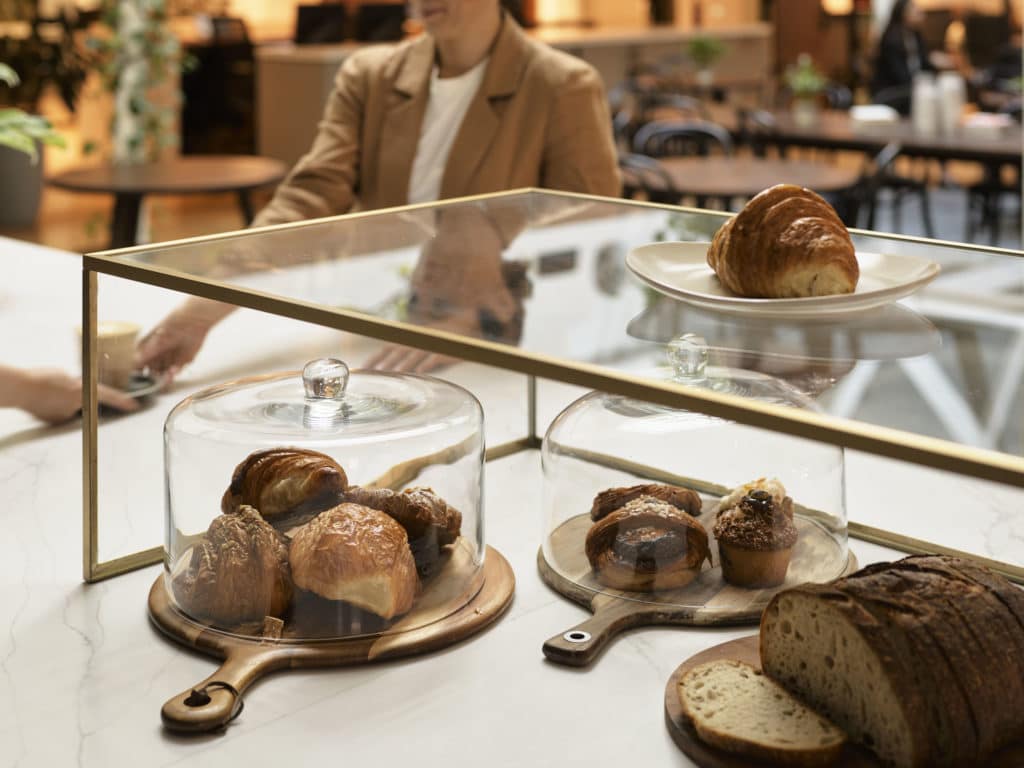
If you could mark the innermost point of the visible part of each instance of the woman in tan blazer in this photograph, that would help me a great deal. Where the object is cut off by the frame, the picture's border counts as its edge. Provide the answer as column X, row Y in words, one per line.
column 538, row 118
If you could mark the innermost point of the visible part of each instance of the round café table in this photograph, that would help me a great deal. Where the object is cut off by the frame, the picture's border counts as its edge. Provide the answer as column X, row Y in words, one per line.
column 726, row 177
column 191, row 175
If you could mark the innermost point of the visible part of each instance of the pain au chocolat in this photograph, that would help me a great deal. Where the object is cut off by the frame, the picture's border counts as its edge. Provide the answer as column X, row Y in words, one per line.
column 647, row 545
column 287, row 485
column 681, row 498
column 356, row 554
column 238, row 571
column 429, row 521
column 787, row 242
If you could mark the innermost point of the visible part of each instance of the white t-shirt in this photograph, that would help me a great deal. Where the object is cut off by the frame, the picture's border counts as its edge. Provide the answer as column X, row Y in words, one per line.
column 446, row 106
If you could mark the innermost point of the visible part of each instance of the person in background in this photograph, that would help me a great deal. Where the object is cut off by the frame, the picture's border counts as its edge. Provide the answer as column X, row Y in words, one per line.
column 472, row 106
column 52, row 395
column 901, row 55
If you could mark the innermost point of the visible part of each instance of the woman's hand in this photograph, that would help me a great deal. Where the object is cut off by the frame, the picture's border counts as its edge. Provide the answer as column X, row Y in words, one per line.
column 54, row 396
column 177, row 339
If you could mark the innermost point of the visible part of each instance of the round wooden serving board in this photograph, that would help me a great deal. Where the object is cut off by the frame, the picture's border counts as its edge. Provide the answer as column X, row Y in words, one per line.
column 441, row 617
column 746, row 649
column 707, row 601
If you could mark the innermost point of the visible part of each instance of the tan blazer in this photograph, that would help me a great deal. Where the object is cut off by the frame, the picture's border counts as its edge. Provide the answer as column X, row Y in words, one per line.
column 540, row 119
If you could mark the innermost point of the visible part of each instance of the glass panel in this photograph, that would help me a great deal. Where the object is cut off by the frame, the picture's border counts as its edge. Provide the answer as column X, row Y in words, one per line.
column 130, row 484
column 547, row 272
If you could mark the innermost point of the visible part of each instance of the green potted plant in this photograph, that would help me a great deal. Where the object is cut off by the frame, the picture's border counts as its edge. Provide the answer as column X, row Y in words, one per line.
column 806, row 83
column 21, row 167
column 704, row 51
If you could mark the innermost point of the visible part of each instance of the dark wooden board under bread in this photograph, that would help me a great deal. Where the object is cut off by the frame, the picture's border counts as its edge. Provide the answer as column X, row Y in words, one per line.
column 746, row 649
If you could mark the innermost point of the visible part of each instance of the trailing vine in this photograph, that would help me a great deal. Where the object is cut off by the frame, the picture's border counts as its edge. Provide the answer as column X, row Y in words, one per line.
column 137, row 56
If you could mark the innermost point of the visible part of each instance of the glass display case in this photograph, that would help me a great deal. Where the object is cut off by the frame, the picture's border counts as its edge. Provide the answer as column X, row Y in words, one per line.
column 533, row 286
column 704, row 516
column 341, row 503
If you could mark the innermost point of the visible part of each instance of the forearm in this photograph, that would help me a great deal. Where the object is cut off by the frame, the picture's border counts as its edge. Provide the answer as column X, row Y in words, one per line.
column 15, row 387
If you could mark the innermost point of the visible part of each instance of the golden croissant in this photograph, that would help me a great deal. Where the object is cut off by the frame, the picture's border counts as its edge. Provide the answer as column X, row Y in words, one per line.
column 237, row 572
column 787, row 242
column 288, row 486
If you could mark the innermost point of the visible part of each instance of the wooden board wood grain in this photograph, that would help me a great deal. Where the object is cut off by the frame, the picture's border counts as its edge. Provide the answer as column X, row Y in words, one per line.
column 707, row 601
column 746, row 649
column 451, row 615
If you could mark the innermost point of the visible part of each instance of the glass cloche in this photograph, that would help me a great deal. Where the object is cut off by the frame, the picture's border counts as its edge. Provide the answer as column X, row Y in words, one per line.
column 702, row 515
column 324, row 504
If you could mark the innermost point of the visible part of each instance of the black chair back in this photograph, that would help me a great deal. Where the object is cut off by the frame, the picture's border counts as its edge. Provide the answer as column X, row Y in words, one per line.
column 644, row 176
column 674, row 138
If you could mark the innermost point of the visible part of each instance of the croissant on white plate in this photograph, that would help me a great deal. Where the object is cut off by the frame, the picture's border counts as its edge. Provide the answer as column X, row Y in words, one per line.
column 787, row 242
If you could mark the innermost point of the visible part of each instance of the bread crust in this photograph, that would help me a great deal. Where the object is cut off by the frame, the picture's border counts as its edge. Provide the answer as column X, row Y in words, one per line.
column 238, row 572
column 816, row 756
column 356, row 554
column 613, row 498
column 647, row 545
column 429, row 521
column 787, row 242
column 924, row 618
column 288, row 486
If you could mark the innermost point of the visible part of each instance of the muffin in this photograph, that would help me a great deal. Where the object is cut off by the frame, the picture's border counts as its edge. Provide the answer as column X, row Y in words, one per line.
column 755, row 540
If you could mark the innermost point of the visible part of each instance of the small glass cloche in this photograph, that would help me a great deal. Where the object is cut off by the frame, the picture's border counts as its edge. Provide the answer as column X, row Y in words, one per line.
column 324, row 504
column 696, row 513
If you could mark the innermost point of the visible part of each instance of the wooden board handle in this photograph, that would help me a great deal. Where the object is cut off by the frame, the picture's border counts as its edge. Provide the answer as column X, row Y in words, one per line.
column 582, row 644
column 217, row 700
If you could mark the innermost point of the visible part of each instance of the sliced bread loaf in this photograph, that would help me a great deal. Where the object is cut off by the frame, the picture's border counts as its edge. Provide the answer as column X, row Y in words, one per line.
column 736, row 708
column 921, row 660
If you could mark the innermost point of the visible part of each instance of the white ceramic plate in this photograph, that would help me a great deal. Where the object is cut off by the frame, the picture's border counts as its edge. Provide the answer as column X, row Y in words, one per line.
column 680, row 270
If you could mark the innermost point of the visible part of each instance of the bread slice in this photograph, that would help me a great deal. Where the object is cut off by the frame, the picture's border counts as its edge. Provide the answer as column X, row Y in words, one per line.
column 921, row 660
column 734, row 707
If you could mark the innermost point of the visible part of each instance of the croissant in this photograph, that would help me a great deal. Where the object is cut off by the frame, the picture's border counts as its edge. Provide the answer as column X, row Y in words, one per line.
column 787, row 242
column 238, row 571
column 356, row 554
column 428, row 520
column 287, row 485
column 613, row 498
column 647, row 545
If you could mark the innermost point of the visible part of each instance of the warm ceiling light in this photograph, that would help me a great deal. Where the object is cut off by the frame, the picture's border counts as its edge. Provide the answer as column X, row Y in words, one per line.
column 837, row 7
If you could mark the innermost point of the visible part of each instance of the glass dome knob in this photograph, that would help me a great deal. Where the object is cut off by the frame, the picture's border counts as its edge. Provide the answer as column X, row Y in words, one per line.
column 688, row 355
column 325, row 379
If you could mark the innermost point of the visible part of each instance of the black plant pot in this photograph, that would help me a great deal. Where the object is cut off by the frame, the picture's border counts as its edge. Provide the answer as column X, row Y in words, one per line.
column 21, row 186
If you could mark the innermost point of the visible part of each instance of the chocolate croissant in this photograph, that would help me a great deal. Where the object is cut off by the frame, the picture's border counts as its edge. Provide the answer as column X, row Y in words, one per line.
column 613, row 498
column 238, row 571
column 288, row 486
column 787, row 242
column 356, row 554
column 647, row 545
column 428, row 520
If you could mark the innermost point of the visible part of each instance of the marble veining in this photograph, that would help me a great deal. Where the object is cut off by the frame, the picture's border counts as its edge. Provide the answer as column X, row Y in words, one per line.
column 83, row 674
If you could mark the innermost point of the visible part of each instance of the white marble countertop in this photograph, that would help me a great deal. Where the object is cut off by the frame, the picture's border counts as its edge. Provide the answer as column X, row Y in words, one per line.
column 83, row 674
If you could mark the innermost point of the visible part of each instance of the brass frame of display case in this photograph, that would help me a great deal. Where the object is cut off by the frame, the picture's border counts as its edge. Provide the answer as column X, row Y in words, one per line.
column 882, row 441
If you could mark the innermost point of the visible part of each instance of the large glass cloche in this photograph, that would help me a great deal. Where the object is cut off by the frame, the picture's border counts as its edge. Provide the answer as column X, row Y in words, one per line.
column 324, row 504
column 703, row 515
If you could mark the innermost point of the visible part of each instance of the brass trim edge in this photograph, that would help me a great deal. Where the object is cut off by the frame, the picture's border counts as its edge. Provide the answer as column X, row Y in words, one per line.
column 90, row 413
column 869, row 438
column 914, row 546
column 122, row 565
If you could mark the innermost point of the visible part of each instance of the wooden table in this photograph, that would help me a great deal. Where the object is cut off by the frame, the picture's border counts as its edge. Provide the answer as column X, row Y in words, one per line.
column 723, row 178
column 833, row 129
column 181, row 176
